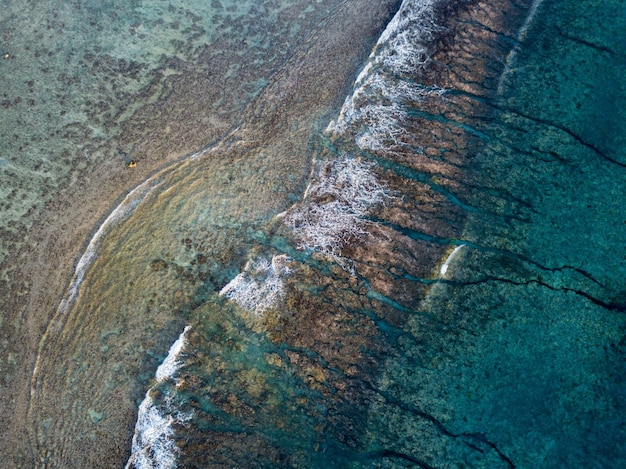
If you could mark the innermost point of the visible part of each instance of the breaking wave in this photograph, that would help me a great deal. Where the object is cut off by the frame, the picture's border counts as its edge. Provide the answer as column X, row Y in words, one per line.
column 342, row 193
column 373, row 122
column 374, row 115
column 260, row 286
column 153, row 444
column 340, row 196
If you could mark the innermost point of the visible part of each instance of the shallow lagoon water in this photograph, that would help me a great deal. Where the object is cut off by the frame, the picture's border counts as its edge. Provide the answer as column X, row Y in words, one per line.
column 373, row 356
column 187, row 91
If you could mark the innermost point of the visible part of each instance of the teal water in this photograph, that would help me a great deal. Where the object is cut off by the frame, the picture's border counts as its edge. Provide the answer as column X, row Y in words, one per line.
column 88, row 87
column 520, row 361
column 431, row 275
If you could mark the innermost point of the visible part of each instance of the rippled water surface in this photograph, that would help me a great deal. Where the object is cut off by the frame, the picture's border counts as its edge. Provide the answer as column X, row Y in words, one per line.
column 411, row 259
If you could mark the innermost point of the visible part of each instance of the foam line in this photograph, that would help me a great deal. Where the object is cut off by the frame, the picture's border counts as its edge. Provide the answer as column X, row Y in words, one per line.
column 171, row 364
column 376, row 112
column 343, row 192
column 260, row 286
column 121, row 212
column 446, row 264
column 153, row 446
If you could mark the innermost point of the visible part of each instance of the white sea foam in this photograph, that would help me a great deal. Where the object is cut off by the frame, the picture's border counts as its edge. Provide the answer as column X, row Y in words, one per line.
column 342, row 193
column 260, row 286
column 171, row 364
column 376, row 112
column 375, row 117
column 404, row 44
column 385, row 127
column 446, row 264
column 380, row 105
column 153, row 446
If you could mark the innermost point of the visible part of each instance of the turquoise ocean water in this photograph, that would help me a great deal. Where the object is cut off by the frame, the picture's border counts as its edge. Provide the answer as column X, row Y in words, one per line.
column 412, row 258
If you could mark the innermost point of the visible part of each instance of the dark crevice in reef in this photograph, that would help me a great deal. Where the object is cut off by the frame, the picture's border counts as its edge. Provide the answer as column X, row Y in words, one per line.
column 503, row 194
column 609, row 306
column 497, row 106
column 416, row 175
column 442, row 119
column 472, row 439
column 527, row 260
column 390, row 454
column 564, row 129
column 509, row 39
column 416, row 234
column 421, row 236
column 583, row 42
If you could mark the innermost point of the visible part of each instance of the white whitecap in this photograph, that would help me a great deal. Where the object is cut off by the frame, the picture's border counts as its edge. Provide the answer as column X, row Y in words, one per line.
column 260, row 286
column 342, row 193
column 153, row 445
column 376, row 113
column 171, row 364
column 446, row 264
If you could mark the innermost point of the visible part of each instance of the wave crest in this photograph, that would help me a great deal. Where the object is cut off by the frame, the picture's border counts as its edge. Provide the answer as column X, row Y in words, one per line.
column 153, row 444
column 342, row 194
column 260, row 286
